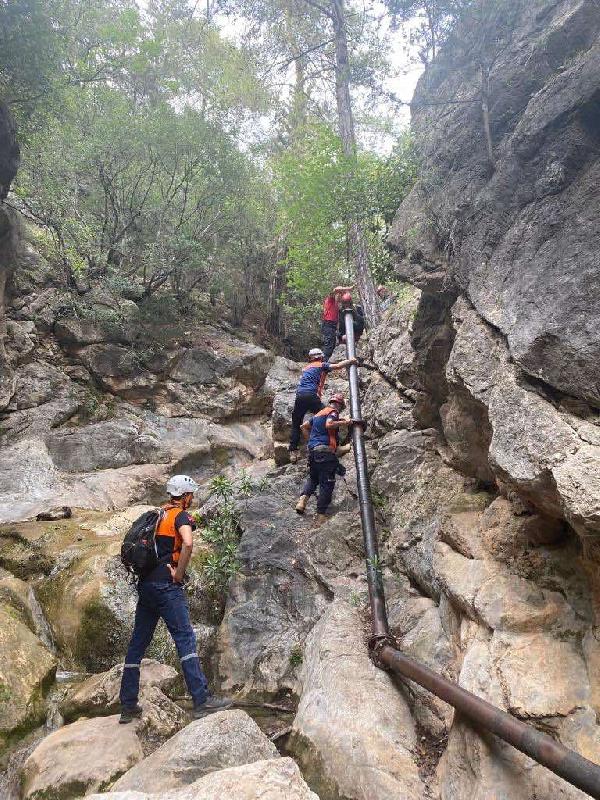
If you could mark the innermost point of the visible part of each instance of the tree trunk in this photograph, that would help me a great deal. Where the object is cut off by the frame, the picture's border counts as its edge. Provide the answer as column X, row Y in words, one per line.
column 274, row 324
column 358, row 241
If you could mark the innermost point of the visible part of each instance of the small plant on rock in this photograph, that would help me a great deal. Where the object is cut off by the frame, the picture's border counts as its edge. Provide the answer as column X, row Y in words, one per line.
column 296, row 656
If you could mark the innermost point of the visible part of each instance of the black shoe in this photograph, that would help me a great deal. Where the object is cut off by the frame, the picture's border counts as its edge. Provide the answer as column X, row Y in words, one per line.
column 210, row 705
column 129, row 714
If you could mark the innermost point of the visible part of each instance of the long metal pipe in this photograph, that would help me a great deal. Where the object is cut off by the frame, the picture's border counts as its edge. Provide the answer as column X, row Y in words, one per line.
column 367, row 515
column 568, row 764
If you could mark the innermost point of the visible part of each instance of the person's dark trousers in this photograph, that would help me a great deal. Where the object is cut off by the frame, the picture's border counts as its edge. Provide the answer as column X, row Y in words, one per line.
column 328, row 337
column 305, row 402
column 322, row 467
column 166, row 600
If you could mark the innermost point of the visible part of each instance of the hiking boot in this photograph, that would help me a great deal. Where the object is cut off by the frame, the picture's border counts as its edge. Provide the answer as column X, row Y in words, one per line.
column 210, row 705
column 293, row 456
column 343, row 449
column 129, row 714
column 301, row 504
column 320, row 519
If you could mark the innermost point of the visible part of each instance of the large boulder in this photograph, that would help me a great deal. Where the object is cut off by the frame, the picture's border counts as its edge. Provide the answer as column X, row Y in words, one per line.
column 545, row 452
column 225, row 739
column 98, row 695
column 288, row 574
column 353, row 734
column 275, row 779
column 81, row 758
column 26, row 671
column 105, row 445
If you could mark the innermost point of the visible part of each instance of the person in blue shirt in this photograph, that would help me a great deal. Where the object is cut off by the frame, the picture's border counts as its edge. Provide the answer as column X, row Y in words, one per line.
column 308, row 392
column 323, row 464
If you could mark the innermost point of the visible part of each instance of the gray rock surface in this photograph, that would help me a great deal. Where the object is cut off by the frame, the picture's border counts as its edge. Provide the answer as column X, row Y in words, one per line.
column 549, row 455
column 289, row 572
column 80, row 758
column 523, row 237
column 225, row 739
column 353, row 734
column 273, row 779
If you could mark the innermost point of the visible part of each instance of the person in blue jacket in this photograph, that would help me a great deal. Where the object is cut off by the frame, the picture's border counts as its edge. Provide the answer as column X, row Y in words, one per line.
column 308, row 392
column 323, row 464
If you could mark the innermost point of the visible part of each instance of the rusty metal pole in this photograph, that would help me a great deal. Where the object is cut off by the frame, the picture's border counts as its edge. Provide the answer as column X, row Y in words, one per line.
column 568, row 764
column 367, row 515
column 575, row 769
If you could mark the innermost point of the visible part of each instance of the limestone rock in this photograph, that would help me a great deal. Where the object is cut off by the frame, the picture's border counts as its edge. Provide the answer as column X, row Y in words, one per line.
column 522, row 234
column 565, row 686
column 543, row 453
column 26, row 671
column 99, row 694
column 103, row 445
column 420, row 491
column 353, row 734
column 275, row 779
column 90, row 607
column 80, row 758
column 224, row 739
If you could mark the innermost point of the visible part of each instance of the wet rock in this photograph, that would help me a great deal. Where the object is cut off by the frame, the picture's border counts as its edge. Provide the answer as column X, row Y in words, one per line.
column 98, row 695
column 80, row 758
column 90, row 606
column 353, row 734
column 276, row 779
column 23, row 558
column 26, row 671
column 224, row 739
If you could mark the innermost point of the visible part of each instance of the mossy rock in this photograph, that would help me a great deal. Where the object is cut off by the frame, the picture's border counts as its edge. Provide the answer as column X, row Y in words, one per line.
column 470, row 501
column 22, row 557
column 90, row 607
column 27, row 670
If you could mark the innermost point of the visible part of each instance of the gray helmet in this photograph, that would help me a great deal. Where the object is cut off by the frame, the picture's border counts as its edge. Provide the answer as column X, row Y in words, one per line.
column 316, row 352
column 181, row 484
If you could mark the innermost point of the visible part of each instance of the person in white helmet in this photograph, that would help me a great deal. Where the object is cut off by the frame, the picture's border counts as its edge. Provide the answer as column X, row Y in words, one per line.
column 308, row 392
column 161, row 595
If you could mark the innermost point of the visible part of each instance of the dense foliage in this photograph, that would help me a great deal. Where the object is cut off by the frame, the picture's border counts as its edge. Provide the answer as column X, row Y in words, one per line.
column 162, row 156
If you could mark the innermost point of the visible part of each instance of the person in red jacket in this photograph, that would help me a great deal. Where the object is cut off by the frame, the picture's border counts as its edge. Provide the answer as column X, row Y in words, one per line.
column 329, row 322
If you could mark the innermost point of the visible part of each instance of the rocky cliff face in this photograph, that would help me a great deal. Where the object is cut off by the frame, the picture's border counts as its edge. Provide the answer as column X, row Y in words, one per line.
column 493, row 479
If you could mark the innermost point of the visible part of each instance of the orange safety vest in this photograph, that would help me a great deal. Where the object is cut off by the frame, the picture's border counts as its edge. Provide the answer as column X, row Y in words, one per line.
column 166, row 528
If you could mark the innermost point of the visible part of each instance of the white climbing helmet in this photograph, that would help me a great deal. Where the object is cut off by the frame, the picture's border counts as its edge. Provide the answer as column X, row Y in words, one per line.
column 179, row 485
column 316, row 352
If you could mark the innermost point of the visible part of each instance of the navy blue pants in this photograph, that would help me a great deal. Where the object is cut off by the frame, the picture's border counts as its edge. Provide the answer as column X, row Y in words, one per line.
column 322, row 469
column 166, row 600
column 328, row 337
column 305, row 402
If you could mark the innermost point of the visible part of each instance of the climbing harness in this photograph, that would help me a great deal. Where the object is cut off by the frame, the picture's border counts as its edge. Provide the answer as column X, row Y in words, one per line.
column 571, row 766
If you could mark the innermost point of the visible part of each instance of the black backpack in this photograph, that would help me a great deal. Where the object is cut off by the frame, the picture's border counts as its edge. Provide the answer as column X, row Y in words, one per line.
column 138, row 551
